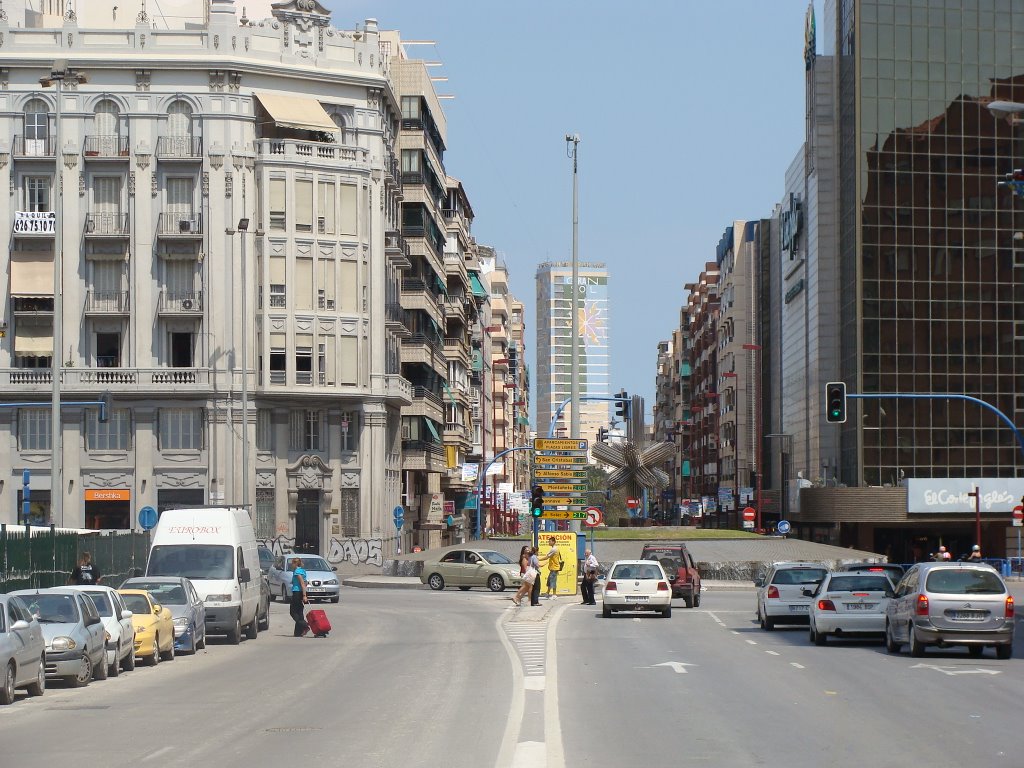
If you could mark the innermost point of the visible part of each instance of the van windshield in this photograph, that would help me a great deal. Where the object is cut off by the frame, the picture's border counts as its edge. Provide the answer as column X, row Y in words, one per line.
column 193, row 561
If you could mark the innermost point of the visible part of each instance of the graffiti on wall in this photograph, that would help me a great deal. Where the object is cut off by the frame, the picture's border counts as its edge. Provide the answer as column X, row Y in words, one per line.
column 350, row 550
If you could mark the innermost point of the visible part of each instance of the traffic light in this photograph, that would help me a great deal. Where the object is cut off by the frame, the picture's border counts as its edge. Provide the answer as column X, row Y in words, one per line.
column 1015, row 181
column 106, row 404
column 622, row 404
column 835, row 402
column 602, row 434
column 537, row 502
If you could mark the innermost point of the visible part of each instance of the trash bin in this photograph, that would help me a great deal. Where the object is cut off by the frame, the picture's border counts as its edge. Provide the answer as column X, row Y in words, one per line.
column 1006, row 568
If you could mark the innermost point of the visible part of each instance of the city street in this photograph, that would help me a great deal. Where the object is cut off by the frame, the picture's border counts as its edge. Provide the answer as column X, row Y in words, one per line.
column 415, row 678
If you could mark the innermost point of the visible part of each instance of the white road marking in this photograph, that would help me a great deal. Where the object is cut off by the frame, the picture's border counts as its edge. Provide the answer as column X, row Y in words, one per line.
column 508, row 753
column 751, row 642
column 529, row 754
column 956, row 670
column 552, row 723
column 735, row 632
column 154, row 755
column 772, row 653
column 798, row 666
column 678, row 666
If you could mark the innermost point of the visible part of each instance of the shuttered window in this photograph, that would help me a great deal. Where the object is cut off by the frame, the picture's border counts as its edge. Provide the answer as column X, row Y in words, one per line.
column 349, row 210
column 325, row 208
column 349, row 274
column 179, row 119
column 303, row 296
column 276, row 210
column 348, row 361
column 303, row 205
column 326, row 285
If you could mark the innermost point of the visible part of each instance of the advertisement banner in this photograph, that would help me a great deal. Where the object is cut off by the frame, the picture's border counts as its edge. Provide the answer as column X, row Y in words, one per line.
column 470, row 473
column 565, row 542
column 950, row 495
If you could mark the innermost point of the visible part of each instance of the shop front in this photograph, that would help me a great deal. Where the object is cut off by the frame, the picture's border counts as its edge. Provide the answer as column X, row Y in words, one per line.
column 108, row 508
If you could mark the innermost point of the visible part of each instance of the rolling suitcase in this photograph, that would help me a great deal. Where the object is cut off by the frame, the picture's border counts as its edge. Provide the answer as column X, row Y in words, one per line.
column 318, row 622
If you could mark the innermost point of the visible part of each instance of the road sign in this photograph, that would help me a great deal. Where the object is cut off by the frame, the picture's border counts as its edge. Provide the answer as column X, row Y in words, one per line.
column 558, row 458
column 557, row 487
column 554, row 444
column 594, row 516
column 399, row 514
column 564, row 514
column 784, row 526
column 632, row 503
column 749, row 513
column 561, row 474
column 561, row 501
column 1018, row 516
column 147, row 518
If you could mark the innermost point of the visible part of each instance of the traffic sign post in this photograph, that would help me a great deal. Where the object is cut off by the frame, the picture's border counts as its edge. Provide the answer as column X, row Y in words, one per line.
column 560, row 471
column 1018, row 516
column 594, row 516
column 147, row 518
column 749, row 515
column 399, row 515
column 784, row 527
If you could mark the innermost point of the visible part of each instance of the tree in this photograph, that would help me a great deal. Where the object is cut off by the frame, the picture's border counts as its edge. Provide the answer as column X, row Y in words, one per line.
column 614, row 508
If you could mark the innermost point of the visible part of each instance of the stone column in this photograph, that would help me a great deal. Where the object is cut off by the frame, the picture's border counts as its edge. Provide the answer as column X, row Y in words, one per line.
column 374, row 514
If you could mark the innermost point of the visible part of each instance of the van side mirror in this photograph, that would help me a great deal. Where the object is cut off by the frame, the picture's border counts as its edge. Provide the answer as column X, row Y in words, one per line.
column 19, row 625
column 244, row 576
column 334, row 568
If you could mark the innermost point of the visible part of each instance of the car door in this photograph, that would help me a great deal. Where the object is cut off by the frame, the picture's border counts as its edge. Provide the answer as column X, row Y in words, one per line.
column 198, row 614
column 280, row 575
column 125, row 622
column 474, row 572
column 96, row 647
column 18, row 639
column 35, row 643
column 451, row 567
column 900, row 607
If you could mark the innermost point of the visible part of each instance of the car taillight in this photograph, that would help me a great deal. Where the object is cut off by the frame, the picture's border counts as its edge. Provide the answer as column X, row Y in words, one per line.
column 663, row 586
column 773, row 591
column 859, row 594
column 610, row 585
column 826, row 605
column 1009, row 607
column 922, row 606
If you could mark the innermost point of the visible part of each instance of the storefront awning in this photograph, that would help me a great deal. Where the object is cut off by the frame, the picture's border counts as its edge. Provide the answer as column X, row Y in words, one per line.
column 33, row 341
column 449, row 391
column 298, row 112
column 432, row 429
column 477, row 287
column 31, row 273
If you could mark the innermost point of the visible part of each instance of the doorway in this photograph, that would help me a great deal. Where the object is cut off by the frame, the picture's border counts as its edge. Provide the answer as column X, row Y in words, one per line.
column 307, row 522
column 182, row 345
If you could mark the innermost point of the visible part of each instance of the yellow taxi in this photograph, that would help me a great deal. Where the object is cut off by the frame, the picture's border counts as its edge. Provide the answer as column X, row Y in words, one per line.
column 154, row 626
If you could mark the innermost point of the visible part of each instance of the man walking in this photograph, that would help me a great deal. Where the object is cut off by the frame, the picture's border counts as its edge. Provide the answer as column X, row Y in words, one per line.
column 299, row 598
column 590, row 566
column 535, row 589
column 554, row 561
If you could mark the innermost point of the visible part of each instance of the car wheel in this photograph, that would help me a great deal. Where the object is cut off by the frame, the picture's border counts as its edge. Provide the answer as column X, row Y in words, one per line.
column 818, row 638
column 606, row 611
column 235, row 633
column 667, row 612
column 464, row 589
column 336, row 599
column 99, row 670
column 168, row 655
column 38, row 686
column 7, row 690
column 114, row 669
column 890, row 642
column 696, row 598
column 129, row 661
column 264, row 623
column 495, row 583
column 84, row 674
column 201, row 644
column 688, row 601
column 916, row 646
column 284, row 594
column 436, row 582
column 767, row 624
column 975, row 650
column 154, row 658
column 1004, row 651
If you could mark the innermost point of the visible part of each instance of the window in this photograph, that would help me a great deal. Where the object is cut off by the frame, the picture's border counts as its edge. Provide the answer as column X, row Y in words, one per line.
column 303, row 205
column 37, row 194
column 278, row 359
column 108, row 350
column 34, row 429
column 179, row 119
column 180, row 191
column 276, row 210
column 37, row 128
column 265, row 516
column 325, row 208
column 410, row 107
column 181, row 429
column 182, row 344
column 303, row 365
column 349, row 431
column 306, row 430
column 105, row 119
column 411, row 160
column 264, row 430
column 115, row 435
column 278, row 297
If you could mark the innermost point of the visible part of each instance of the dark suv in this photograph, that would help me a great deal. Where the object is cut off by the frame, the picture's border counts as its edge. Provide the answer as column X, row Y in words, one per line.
column 678, row 564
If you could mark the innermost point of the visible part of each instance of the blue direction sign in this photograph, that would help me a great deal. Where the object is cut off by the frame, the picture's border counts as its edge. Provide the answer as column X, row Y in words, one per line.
column 399, row 514
column 784, row 526
column 147, row 518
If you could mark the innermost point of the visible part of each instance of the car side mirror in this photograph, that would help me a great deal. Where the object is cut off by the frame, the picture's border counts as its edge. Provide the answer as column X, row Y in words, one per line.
column 244, row 576
column 758, row 582
column 334, row 568
column 19, row 625
column 92, row 620
column 126, row 614
column 157, row 608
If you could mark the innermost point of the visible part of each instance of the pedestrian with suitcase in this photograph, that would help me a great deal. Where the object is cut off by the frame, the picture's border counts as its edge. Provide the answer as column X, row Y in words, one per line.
column 299, row 598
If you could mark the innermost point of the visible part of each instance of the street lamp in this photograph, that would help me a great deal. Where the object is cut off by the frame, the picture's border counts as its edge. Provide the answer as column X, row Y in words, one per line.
column 243, row 228
column 573, row 139
column 59, row 72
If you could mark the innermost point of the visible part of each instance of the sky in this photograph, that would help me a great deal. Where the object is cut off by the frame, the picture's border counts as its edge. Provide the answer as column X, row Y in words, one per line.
column 688, row 114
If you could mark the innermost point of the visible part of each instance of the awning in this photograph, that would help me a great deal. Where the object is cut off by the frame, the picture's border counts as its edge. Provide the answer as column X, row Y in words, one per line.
column 441, row 284
column 297, row 112
column 31, row 273
column 33, row 340
column 432, row 429
column 478, row 288
column 449, row 391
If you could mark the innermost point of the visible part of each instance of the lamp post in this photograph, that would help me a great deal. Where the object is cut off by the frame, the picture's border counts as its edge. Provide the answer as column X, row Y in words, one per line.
column 243, row 228
column 573, row 139
column 59, row 72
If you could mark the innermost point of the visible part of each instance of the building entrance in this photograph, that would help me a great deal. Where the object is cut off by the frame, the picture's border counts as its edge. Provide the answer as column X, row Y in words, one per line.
column 307, row 521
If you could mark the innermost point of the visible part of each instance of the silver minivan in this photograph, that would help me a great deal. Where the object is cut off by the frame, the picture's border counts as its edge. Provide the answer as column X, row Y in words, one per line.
column 950, row 604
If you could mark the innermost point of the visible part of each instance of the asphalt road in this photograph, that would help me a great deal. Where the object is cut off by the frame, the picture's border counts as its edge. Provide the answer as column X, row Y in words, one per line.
column 417, row 678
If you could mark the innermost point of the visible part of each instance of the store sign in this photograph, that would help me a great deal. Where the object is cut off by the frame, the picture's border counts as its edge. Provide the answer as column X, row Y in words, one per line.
column 790, row 225
column 33, row 223
column 950, row 495
column 108, row 494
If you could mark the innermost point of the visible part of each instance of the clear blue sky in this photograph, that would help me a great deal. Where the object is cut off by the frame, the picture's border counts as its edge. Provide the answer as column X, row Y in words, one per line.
column 689, row 113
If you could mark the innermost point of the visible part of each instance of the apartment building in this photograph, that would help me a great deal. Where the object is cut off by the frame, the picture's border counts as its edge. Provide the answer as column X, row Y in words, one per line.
column 702, row 314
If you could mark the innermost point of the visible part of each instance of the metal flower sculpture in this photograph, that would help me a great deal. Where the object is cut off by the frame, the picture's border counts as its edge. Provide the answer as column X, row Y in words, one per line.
column 636, row 468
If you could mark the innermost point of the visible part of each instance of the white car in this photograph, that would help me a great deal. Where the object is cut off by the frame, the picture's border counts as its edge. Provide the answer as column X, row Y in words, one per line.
column 780, row 593
column 849, row 604
column 636, row 585
column 117, row 621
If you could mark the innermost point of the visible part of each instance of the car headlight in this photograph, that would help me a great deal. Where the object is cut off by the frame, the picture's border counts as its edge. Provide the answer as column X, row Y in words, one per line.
column 181, row 621
column 63, row 644
column 106, row 635
column 218, row 598
column 331, row 582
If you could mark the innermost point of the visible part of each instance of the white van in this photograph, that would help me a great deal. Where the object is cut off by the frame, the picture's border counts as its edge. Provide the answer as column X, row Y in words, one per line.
column 215, row 547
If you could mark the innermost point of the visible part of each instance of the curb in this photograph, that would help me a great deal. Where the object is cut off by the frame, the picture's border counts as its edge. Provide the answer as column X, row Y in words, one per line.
column 381, row 583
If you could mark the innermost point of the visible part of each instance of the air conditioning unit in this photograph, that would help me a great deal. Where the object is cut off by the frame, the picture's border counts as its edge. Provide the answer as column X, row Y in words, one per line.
column 321, row 225
column 186, row 303
column 185, row 226
column 330, row 303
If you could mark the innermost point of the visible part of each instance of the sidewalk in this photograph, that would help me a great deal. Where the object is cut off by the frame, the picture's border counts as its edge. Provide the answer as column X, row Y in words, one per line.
column 413, row 582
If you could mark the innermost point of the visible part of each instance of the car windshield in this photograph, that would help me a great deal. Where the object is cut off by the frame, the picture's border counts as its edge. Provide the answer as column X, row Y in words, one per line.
column 193, row 561
column 858, row 583
column 315, row 564
column 495, row 558
column 637, row 571
column 964, row 581
column 102, row 603
column 137, row 604
column 670, row 562
column 53, row 609
column 266, row 558
column 162, row 592
column 798, row 576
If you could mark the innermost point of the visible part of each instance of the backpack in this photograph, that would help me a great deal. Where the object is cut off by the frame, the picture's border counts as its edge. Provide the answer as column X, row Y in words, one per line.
column 555, row 562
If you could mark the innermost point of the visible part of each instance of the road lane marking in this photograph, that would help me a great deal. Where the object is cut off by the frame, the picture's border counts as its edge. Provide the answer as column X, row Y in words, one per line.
column 508, row 751
column 956, row 670
column 154, row 755
column 752, row 642
column 772, row 653
column 735, row 632
column 798, row 666
column 552, row 722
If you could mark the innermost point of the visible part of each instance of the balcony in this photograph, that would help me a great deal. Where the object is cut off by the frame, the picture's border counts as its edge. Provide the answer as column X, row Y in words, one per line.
column 455, row 307
column 180, row 226
column 422, row 393
column 181, row 303
column 29, row 148
column 295, row 149
column 396, row 321
column 118, row 379
column 457, row 349
column 106, row 303
column 396, row 250
column 397, row 389
column 179, row 148
column 32, row 306
column 106, row 148
column 106, row 225
column 423, row 455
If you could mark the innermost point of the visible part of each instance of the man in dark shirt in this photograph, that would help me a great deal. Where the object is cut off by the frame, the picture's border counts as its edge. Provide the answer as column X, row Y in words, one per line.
column 85, row 572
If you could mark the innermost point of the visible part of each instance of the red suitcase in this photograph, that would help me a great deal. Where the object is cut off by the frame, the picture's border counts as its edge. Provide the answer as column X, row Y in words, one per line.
column 318, row 622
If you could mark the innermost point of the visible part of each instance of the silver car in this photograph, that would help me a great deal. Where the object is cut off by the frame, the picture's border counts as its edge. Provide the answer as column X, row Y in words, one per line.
column 849, row 605
column 321, row 578
column 951, row 604
column 780, row 593
column 117, row 621
column 178, row 595
column 22, row 650
column 76, row 649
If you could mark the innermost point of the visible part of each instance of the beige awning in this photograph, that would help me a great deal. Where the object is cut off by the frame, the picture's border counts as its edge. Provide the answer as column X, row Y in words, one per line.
column 31, row 273
column 33, row 340
column 297, row 112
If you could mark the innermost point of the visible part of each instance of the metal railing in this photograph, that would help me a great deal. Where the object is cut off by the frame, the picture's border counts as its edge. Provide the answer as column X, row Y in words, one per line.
column 106, row 146
column 179, row 148
column 186, row 302
column 106, row 225
column 26, row 147
column 184, row 224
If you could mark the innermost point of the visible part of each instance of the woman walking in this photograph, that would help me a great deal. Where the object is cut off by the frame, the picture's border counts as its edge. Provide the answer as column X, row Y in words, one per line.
column 299, row 598
column 529, row 574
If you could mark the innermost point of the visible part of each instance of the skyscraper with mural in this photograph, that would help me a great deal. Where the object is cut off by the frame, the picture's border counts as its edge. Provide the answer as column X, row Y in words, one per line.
column 554, row 344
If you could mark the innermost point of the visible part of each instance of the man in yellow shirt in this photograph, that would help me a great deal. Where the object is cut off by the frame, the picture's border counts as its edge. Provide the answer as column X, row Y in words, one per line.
column 554, row 560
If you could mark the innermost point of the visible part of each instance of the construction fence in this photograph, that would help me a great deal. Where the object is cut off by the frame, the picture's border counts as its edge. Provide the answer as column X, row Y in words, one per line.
column 36, row 558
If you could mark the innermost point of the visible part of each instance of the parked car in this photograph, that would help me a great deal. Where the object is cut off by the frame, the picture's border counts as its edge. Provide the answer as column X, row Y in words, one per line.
column 468, row 568
column 780, row 593
column 951, row 604
column 849, row 604
column 117, row 621
column 154, row 626
column 22, row 650
column 321, row 578
column 636, row 585
column 678, row 564
column 179, row 596
column 76, row 648
column 266, row 556
column 892, row 570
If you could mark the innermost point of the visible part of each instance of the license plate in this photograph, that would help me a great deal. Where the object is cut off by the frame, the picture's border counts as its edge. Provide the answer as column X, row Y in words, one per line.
column 798, row 608
column 860, row 606
column 637, row 598
column 967, row 615
column 315, row 591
